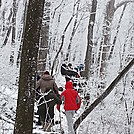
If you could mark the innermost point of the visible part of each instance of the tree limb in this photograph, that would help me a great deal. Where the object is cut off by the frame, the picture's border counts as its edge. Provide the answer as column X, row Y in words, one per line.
column 103, row 96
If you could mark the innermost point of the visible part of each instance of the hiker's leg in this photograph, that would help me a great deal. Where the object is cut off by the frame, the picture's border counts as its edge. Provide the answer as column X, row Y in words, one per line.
column 51, row 113
column 69, row 116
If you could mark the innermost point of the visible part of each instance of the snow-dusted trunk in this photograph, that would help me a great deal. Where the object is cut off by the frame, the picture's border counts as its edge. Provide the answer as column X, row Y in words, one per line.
column 28, row 66
column 20, row 34
column 117, row 31
column 7, row 32
column 105, row 43
column 88, row 58
column 43, row 49
column 14, row 21
column 62, row 43
column 14, row 6
column 68, row 54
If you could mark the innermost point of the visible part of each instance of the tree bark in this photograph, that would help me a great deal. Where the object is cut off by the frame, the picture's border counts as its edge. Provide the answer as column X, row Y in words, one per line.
column 14, row 7
column 117, row 31
column 106, row 36
column 43, row 49
column 88, row 58
column 62, row 43
column 28, row 66
column 68, row 54
column 9, row 29
column 103, row 96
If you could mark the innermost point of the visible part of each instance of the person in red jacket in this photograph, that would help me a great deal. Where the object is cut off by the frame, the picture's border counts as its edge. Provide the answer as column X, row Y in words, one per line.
column 72, row 102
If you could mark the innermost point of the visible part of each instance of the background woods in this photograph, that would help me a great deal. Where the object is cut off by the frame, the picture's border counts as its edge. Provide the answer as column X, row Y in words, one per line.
column 97, row 33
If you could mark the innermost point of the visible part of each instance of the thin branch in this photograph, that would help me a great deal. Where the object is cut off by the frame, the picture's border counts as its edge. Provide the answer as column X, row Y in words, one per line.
column 122, row 3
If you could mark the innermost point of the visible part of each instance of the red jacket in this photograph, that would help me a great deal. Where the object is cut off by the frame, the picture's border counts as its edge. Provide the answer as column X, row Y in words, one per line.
column 70, row 97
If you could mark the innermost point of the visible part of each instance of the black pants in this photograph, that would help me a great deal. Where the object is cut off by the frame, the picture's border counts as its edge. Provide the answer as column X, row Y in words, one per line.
column 46, row 113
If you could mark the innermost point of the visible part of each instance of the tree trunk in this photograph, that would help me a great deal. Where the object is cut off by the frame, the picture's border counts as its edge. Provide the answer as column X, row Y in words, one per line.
column 117, row 31
column 20, row 34
column 43, row 49
column 88, row 58
column 14, row 6
column 106, row 35
column 62, row 43
column 68, row 54
column 28, row 66
column 9, row 28
column 103, row 96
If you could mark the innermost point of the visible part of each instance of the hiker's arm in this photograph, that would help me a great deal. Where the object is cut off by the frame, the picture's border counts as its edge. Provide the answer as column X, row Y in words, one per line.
column 78, row 101
column 56, row 87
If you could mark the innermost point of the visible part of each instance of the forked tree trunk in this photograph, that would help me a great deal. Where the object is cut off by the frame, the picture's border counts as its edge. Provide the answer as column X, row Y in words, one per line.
column 28, row 66
column 103, row 96
column 117, row 31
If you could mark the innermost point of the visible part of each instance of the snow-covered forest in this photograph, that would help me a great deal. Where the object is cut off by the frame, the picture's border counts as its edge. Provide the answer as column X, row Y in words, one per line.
column 96, row 33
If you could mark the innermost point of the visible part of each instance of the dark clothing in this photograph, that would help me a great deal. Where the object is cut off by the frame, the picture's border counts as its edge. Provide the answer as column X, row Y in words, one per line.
column 46, row 81
column 48, row 91
column 63, row 69
column 68, row 72
column 46, row 105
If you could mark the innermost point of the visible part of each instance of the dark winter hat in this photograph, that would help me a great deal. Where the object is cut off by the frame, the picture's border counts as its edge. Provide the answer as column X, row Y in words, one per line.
column 69, row 64
column 46, row 72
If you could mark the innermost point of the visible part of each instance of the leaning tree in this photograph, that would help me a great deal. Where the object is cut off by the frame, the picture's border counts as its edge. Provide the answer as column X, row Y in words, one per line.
column 103, row 96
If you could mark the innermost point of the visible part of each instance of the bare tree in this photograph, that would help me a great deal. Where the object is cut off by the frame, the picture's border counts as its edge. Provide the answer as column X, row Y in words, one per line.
column 62, row 43
column 43, row 49
column 117, row 31
column 129, row 116
column 106, row 35
column 9, row 27
column 14, row 6
column 105, row 45
column 74, row 28
column 20, row 34
column 28, row 66
column 88, row 58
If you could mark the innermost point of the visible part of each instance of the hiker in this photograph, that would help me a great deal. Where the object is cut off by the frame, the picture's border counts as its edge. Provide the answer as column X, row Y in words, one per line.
column 68, row 71
column 70, row 66
column 81, row 70
column 81, row 67
column 72, row 102
column 49, row 97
